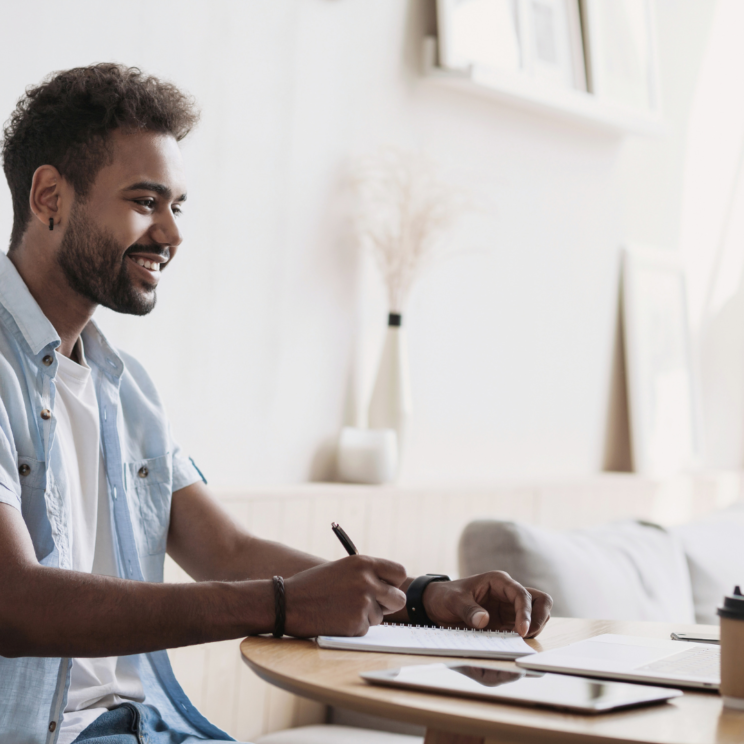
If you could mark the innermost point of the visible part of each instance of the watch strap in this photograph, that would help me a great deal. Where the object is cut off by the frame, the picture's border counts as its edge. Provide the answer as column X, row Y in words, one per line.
column 415, row 599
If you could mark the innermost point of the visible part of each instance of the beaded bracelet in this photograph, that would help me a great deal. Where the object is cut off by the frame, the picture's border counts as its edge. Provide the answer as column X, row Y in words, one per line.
column 280, row 608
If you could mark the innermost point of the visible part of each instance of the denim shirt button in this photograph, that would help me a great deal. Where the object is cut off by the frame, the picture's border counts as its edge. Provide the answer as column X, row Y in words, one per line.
column 24, row 469
column 143, row 472
column 53, row 726
column 47, row 360
column 46, row 414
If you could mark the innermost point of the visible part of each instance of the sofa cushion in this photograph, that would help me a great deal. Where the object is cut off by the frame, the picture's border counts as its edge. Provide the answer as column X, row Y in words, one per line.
column 621, row 571
column 336, row 735
column 715, row 556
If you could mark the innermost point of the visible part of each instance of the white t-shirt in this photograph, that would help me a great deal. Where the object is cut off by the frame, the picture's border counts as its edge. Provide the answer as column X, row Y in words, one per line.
column 95, row 684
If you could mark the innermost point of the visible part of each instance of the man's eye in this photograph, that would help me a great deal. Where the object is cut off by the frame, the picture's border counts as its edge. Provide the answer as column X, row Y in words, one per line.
column 149, row 203
column 177, row 211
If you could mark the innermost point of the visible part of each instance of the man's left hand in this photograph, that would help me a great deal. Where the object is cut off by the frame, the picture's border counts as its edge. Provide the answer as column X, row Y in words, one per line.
column 491, row 600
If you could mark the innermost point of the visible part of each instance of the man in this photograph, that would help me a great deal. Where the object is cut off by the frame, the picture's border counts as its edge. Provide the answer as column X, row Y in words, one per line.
column 93, row 488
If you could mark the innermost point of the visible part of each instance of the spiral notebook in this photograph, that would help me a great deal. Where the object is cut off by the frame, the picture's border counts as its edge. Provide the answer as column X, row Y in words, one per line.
column 409, row 639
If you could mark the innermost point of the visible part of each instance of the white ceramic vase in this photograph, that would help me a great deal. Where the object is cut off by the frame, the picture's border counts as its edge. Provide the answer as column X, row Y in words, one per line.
column 391, row 406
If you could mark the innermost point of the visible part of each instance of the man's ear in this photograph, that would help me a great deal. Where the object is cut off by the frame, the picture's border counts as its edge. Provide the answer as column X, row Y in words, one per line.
column 45, row 198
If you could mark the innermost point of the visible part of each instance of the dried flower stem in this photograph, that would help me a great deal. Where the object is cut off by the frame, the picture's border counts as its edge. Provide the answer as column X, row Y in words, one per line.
column 404, row 212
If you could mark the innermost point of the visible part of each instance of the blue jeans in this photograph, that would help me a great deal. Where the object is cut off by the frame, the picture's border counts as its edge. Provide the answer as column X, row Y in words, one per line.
column 134, row 723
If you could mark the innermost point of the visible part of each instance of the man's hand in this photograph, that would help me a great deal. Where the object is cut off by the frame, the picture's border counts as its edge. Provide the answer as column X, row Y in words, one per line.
column 491, row 600
column 343, row 597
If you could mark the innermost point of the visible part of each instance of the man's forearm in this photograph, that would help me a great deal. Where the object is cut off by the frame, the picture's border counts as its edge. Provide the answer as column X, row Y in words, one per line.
column 210, row 546
column 255, row 558
column 54, row 612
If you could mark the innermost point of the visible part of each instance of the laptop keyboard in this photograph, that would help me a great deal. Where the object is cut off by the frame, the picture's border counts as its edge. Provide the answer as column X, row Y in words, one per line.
column 700, row 663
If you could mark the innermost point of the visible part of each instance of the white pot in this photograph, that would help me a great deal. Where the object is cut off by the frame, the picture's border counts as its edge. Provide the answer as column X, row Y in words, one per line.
column 367, row 455
column 391, row 406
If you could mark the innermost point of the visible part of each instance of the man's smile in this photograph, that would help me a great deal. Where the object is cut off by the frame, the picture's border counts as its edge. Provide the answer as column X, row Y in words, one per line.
column 149, row 264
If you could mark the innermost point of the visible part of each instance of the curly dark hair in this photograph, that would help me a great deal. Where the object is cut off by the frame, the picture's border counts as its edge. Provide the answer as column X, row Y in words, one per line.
column 66, row 121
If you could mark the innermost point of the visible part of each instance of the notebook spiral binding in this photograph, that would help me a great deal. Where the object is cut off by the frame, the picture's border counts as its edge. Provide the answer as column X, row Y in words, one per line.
column 496, row 633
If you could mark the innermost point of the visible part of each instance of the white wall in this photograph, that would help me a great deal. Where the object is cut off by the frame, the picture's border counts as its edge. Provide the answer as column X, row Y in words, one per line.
column 268, row 312
column 712, row 235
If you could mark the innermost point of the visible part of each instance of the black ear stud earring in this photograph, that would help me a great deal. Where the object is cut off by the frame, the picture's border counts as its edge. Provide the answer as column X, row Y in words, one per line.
column 51, row 223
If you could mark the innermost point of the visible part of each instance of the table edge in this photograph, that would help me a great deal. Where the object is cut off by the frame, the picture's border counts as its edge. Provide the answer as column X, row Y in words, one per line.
column 503, row 732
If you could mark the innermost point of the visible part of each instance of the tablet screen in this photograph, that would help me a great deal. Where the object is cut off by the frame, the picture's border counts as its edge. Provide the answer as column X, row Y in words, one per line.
column 527, row 688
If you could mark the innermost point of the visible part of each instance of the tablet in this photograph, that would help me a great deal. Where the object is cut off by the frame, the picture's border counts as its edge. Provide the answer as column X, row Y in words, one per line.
column 561, row 691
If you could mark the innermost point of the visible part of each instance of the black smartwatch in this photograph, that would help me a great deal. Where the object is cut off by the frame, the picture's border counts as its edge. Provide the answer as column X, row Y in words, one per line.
column 415, row 599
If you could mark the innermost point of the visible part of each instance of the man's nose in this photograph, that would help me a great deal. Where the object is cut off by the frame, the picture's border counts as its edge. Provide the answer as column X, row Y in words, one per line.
column 166, row 231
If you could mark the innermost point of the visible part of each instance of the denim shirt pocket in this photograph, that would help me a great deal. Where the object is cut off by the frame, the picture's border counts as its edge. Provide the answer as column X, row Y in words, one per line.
column 149, row 485
column 33, row 477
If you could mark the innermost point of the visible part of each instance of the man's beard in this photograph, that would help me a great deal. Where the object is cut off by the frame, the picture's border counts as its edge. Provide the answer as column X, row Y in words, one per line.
column 95, row 267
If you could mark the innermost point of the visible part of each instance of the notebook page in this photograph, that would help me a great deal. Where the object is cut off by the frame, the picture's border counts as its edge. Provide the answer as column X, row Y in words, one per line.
column 423, row 639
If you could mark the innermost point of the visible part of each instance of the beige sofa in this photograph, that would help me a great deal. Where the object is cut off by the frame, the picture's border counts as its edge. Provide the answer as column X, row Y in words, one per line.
column 627, row 570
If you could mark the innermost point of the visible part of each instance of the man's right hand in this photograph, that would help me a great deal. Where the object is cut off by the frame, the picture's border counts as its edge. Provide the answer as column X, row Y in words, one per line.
column 343, row 597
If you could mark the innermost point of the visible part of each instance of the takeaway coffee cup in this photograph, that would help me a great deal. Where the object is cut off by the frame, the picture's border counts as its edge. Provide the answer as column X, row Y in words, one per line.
column 732, row 650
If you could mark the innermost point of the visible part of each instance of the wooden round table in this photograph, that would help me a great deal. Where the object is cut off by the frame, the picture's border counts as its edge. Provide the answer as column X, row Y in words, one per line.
column 332, row 677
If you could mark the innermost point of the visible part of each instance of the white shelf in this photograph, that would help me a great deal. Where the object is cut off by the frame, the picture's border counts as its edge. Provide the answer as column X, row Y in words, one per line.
column 520, row 91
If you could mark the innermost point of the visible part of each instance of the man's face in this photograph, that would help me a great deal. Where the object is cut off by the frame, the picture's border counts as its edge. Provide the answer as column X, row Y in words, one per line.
column 119, row 239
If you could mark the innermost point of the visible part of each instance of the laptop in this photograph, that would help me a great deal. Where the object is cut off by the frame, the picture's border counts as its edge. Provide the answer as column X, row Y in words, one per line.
column 635, row 659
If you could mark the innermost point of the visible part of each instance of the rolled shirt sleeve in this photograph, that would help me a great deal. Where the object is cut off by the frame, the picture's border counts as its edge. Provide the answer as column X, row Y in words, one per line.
column 8, row 495
column 10, row 486
column 185, row 471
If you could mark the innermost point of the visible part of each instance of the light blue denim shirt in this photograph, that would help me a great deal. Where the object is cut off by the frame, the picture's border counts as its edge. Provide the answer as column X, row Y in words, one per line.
column 144, row 466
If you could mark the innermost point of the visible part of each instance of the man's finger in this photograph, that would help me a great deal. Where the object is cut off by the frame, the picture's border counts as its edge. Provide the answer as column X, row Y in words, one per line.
column 479, row 619
column 389, row 571
column 541, row 606
column 376, row 615
column 522, row 601
column 390, row 598
column 473, row 615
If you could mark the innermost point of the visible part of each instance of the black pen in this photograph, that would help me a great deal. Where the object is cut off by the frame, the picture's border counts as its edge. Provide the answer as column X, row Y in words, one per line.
column 349, row 546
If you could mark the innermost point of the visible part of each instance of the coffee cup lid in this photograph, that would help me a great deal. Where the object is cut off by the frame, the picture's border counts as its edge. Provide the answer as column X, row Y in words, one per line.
column 733, row 606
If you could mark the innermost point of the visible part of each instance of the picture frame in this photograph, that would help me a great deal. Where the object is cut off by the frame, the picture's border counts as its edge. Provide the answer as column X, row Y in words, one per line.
column 621, row 53
column 553, row 43
column 662, row 384
column 482, row 33
column 532, row 39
